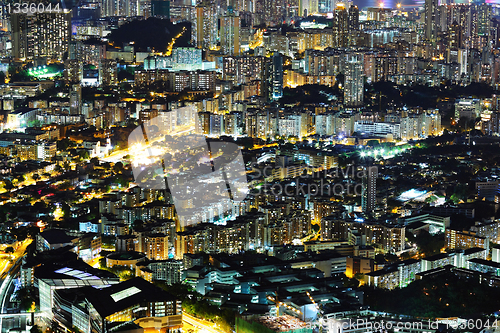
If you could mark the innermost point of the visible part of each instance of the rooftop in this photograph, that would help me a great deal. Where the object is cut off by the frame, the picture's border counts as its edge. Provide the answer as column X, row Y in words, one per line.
column 126, row 294
column 485, row 262
column 73, row 270
column 56, row 236
column 131, row 255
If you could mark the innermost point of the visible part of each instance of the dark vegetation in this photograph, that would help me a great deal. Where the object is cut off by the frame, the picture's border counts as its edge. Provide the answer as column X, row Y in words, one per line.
column 385, row 95
column 441, row 296
column 139, row 32
column 194, row 304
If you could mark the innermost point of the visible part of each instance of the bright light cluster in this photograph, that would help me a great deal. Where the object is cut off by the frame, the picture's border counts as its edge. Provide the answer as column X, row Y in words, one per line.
column 383, row 152
column 38, row 70
column 42, row 72
column 411, row 195
column 145, row 156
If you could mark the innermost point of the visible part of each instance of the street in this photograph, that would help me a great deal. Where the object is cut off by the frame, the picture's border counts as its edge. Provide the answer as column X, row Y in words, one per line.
column 10, row 266
column 198, row 325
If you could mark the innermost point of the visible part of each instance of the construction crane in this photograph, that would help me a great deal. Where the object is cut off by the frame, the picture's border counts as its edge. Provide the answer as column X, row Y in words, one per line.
column 312, row 300
column 320, row 312
column 279, row 304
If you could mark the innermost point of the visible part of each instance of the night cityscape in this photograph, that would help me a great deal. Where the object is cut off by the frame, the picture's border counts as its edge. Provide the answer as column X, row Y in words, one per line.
column 249, row 166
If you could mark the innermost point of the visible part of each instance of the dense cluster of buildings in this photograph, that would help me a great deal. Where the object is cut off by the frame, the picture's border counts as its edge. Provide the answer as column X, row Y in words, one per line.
column 325, row 102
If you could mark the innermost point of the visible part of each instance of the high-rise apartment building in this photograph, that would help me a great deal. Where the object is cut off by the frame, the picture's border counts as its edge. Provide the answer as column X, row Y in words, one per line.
column 108, row 72
column 128, row 8
column 230, row 33
column 354, row 79
column 108, row 8
column 155, row 246
column 273, row 77
column 353, row 18
column 45, row 35
column 369, row 189
column 342, row 25
column 206, row 26
column 483, row 19
column 75, row 99
column 273, row 11
column 430, row 11
column 324, row 124
column 455, row 38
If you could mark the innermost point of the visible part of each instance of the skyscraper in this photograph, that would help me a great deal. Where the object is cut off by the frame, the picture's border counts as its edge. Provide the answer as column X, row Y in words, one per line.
column 353, row 18
column 342, row 25
column 230, row 33
column 274, row 77
column 369, row 189
column 484, row 19
column 354, row 79
column 455, row 38
column 206, row 25
column 274, row 11
column 108, row 8
column 430, row 10
column 75, row 99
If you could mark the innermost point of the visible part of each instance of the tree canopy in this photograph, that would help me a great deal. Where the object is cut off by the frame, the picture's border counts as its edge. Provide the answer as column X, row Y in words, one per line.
column 139, row 32
column 445, row 295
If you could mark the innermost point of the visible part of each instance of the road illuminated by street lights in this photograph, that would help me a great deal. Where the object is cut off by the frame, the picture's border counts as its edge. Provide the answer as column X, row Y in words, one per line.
column 7, row 261
column 6, row 274
column 199, row 325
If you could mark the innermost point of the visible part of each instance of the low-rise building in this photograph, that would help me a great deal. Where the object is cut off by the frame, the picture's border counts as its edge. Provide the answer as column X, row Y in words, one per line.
column 355, row 265
column 398, row 275
column 125, row 259
column 161, row 270
column 93, row 310
column 485, row 266
column 455, row 239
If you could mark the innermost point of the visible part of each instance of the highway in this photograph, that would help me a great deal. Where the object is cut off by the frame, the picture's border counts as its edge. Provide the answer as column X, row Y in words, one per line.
column 9, row 269
column 199, row 325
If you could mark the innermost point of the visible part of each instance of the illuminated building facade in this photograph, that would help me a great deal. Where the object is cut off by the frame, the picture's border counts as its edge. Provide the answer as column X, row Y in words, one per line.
column 398, row 275
column 274, row 77
column 468, row 108
column 430, row 26
column 108, row 72
column 135, row 300
column 342, row 25
column 161, row 270
column 369, row 189
column 155, row 246
column 355, row 265
column 41, row 35
column 230, row 33
column 456, row 239
column 354, row 84
column 206, row 26
column 52, row 277
column 242, row 69
column 182, row 58
column 484, row 266
column 293, row 125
